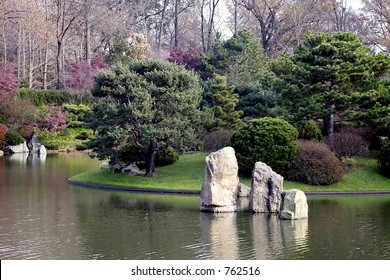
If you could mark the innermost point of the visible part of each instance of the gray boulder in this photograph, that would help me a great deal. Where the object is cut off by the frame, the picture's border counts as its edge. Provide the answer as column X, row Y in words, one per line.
column 294, row 205
column 220, row 182
column 42, row 150
column 133, row 170
column 1, row 153
column 267, row 187
column 104, row 165
column 34, row 145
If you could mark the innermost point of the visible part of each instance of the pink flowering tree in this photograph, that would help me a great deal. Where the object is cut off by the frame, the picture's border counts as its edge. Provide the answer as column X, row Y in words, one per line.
column 80, row 75
column 54, row 119
column 8, row 81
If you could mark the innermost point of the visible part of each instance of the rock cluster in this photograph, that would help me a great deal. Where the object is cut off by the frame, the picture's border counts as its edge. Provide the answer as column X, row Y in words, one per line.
column 221, row 189
column 33, row 146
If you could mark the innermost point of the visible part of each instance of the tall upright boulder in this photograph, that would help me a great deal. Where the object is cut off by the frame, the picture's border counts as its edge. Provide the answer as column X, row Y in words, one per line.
column 220, row 182
column 267, row 187
column 294, row 205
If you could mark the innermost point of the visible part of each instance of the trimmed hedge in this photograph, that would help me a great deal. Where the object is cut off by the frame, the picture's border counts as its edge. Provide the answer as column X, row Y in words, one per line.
column 270, row 140
column 58, row 97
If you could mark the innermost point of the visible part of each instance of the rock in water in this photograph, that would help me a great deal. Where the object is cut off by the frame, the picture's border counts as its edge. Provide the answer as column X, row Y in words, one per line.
column 21, row 148
column 220, row 182
column 294, row 205
column 42, row 150
column 267, row 187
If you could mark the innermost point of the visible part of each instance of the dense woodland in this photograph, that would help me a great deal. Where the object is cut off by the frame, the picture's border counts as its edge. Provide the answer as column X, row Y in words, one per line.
column 322, row 66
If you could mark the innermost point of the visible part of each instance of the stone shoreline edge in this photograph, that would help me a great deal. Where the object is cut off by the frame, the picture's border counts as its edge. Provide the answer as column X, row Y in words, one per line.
column 188, row 192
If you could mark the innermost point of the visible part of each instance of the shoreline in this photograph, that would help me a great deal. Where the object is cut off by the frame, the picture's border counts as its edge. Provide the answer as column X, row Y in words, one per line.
column 187, row 192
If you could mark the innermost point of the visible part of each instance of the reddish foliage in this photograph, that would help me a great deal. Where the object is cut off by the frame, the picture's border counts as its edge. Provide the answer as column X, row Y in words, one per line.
column 54, row 119
column 8, row 81
column 349, row 143
column 81, row 74
column 189, row 57
column 3, row 132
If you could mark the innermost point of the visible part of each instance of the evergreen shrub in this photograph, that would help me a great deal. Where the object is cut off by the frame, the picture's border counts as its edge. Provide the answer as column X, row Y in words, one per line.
column 315, row 164
column 166, row 156
column 270, row 140
column 13, row 138
column 43, row 97
column 384, row 160
column 308, row 130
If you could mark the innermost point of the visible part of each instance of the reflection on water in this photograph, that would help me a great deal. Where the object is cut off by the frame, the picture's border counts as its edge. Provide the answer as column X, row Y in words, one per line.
column 219, row 231
column 42, row 217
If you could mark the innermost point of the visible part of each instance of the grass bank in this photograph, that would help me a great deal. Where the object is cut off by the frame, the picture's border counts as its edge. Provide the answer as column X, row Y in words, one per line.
column 187, row 175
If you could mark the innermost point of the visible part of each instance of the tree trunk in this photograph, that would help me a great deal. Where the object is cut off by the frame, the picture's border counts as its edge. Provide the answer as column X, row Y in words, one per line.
column 59, row 66
column 329, row 124
column 151, row 160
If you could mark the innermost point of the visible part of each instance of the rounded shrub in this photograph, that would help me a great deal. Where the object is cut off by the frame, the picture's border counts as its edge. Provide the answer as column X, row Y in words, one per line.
column 308, row 130
column 13, row 138
column 270, row 140
column 384, row 160
column 166, row 156
column 315, row 164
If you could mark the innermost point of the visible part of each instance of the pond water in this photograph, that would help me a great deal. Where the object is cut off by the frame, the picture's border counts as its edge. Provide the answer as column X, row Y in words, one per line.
column 43, row 217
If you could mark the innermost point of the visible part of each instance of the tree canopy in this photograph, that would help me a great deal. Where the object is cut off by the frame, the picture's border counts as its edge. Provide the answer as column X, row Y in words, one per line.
column 149, row 104
column 329, row 74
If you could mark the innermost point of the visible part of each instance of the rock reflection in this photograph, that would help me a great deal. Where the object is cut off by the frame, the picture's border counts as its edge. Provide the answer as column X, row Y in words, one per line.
column 273, row 237
column 219, row 231
column 295, row 234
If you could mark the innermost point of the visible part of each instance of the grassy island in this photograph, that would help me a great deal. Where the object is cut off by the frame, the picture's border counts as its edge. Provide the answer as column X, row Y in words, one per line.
column 187, row 175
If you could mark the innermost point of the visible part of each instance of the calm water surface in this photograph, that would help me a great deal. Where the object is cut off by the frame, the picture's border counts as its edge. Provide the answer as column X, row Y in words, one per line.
column 42, row 217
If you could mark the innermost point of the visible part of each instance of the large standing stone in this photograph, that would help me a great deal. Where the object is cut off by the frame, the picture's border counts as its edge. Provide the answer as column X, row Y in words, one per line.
column 34, row 145
column 294, row 205
column 220, row 182
column 42, row 150
column 267, row 187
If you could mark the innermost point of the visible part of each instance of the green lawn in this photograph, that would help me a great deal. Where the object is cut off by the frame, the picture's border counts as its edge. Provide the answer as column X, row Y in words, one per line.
column 187, row 174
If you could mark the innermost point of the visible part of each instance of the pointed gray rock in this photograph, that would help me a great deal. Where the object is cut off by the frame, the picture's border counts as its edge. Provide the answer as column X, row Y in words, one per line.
column 267, row 187
column 220, row 182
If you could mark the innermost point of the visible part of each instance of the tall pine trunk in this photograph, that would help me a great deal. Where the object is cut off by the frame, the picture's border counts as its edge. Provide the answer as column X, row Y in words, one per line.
column 151, row 159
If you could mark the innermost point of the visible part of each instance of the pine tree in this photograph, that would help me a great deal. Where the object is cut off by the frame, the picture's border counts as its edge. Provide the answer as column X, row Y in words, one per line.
column 329, row 74
column 225, row 102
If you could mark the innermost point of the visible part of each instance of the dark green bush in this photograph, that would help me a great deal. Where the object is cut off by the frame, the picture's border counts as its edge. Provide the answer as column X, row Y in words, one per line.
column 85, row 135
column 166, row 156
column 270, row 140
column 13, row 137
column 384, row 160
column 308, row 130
column 81, row 147
column 315, row 164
